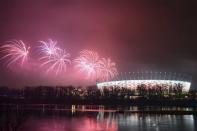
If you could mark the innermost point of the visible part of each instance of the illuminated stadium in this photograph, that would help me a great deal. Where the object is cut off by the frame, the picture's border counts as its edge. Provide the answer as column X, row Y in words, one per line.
column 167, row 82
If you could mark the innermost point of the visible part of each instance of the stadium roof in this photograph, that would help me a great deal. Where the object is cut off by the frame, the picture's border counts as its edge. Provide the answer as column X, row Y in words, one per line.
column 132, row 84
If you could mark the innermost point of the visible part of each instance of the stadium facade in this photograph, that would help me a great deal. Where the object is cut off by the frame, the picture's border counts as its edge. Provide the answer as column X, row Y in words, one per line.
column 168, row 82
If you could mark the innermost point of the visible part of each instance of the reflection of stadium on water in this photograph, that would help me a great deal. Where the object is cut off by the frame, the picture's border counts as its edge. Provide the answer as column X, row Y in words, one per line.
column 167, row 82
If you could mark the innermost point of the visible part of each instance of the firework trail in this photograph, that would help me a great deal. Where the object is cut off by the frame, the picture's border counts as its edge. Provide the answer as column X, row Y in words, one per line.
column 48, row 48
column 15, row 51
column 57, row 62
column 108, row 69
column 55, row 58
column 88, row 62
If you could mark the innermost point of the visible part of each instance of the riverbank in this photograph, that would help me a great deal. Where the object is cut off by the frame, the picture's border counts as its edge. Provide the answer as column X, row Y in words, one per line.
column 98, row 108
column 107, row 102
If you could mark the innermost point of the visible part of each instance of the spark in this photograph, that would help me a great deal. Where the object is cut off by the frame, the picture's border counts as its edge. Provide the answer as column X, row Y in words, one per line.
column 88, row 62
column 108, row 69
column 48, row 48
column 15, row 51
column 57, row 62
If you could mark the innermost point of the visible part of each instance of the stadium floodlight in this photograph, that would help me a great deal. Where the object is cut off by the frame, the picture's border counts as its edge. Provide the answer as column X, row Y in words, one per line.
column 132, row 84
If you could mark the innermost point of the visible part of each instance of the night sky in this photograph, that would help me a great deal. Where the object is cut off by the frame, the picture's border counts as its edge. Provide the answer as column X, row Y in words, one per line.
column 157, row 35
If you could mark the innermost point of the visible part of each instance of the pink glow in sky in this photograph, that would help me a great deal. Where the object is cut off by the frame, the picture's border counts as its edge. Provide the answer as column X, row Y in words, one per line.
column 54, row 63
column 138, row 35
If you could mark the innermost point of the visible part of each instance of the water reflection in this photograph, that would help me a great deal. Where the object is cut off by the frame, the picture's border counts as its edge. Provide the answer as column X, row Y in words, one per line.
column 61, row 124
column 141, row 122
column 37, row 120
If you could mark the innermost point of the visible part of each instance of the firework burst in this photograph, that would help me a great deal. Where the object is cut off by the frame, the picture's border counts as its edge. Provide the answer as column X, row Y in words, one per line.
column 15, row 51
column 88, row 62
column 108, row 69
column 48, row 48
column 57, row 62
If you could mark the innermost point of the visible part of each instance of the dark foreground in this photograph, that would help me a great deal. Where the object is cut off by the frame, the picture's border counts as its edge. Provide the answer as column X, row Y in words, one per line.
column 96, row 118
column 93, row 96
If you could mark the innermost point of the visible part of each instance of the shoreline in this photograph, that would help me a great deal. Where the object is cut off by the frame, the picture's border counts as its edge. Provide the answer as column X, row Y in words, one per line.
column 106, row 102
column 49, row 108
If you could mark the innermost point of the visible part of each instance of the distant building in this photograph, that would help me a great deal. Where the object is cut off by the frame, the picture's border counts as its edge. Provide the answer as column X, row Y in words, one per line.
column 149, row 81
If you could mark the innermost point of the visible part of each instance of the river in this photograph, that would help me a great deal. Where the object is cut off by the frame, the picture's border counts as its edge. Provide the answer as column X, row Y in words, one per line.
column 94, row 118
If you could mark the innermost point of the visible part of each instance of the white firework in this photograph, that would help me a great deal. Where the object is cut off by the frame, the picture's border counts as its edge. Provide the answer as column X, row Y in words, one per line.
column 15, row 51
